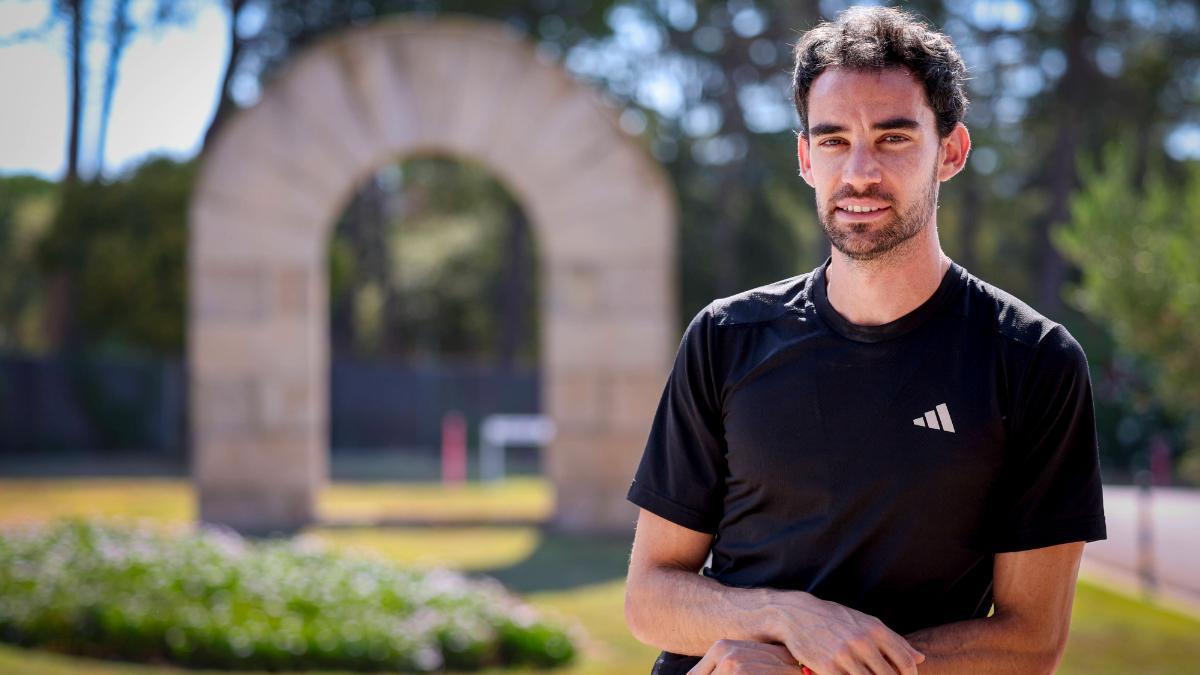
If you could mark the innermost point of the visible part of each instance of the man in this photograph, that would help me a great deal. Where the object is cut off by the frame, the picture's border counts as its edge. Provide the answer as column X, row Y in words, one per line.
column 876, row 452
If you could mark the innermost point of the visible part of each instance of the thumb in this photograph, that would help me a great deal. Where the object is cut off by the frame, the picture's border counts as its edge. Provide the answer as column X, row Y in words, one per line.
column 917, row 656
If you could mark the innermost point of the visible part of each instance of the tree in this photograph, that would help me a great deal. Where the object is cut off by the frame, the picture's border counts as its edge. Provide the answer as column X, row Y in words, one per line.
column 1137, row 250
column 124, row 243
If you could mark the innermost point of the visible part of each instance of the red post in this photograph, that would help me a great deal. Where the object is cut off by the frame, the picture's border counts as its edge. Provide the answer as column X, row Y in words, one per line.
column 454, row 448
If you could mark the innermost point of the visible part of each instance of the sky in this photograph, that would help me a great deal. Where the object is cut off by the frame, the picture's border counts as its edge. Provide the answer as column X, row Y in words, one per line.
column 165, row 95
column 167, row 91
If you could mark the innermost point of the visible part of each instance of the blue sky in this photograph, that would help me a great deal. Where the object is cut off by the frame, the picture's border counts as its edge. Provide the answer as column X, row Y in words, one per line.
column 166, row 91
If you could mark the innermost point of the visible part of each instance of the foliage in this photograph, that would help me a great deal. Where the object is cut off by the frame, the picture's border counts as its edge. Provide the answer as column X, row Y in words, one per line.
column 1137, row 253
column 423, row 264
column 124, row 246
column 211, row 599
column 27, row 206
column 579, row 579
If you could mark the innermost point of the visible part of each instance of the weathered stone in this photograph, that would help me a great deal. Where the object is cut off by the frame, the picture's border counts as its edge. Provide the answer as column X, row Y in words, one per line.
column 276, row 178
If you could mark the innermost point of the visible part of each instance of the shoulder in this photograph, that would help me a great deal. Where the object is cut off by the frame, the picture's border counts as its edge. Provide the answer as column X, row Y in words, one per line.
column 1007, row 316
column 761, row 304
column 1036, row 345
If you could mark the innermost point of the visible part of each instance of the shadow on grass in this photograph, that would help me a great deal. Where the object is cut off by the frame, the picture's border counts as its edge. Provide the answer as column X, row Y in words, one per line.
column 562, row 562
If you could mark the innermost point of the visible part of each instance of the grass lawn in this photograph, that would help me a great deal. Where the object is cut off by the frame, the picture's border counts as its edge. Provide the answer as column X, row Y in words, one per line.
column 579, row 580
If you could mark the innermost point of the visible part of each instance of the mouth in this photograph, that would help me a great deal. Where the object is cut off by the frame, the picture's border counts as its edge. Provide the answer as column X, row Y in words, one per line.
column 861, row 213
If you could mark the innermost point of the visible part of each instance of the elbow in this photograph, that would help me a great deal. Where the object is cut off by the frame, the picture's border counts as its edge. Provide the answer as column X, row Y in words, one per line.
column 1034, row 644
column 641, row 615
column 633, row 614
column 1052, row 656
column 1049, row 654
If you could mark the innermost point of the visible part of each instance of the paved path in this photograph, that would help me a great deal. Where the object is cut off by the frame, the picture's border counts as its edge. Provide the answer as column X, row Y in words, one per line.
column 1175, row 536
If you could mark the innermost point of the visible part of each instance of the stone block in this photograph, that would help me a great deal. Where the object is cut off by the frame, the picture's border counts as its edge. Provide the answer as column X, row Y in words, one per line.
column 258, row 509
column 575, row 398
column 222, row 407
column 268, row 348
column 489, row 70
column 227, row 233
column 267, row 461
column 262, row 138
column 224, row 292
column 605, row 342
column 633, row 397
column 281, row 172
column 294, row 289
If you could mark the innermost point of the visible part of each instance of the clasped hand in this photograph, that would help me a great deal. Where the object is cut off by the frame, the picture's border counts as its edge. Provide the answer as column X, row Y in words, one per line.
column 828, row 638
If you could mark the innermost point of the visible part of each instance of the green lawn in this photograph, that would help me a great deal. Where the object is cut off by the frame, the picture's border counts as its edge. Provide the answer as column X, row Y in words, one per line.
column 579, row 580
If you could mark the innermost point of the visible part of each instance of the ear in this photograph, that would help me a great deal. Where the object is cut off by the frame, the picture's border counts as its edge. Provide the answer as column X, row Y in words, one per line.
column 953, row 151
column 805, row 159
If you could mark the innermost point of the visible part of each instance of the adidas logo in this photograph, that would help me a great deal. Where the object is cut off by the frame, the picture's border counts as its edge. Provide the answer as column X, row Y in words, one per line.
column 938, row 418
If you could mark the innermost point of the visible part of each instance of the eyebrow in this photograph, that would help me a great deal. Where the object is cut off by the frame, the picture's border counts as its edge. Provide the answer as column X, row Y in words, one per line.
column 824, row 129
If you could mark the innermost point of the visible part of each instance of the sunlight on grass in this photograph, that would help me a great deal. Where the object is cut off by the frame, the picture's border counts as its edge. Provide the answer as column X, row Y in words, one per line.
column 469, row 549
column 36, row 500
column 579, row 580
column 516, row 498
column 1111, row 633
column 39, row 500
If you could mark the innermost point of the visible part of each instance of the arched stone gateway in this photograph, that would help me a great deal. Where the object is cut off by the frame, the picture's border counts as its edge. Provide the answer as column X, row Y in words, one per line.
column 280, row 173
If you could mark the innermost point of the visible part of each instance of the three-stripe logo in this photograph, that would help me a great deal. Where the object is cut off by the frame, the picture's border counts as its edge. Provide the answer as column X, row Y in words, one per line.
column 938, row 418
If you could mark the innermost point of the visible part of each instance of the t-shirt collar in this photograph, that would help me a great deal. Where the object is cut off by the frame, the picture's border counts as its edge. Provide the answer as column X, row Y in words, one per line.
column 952, row 280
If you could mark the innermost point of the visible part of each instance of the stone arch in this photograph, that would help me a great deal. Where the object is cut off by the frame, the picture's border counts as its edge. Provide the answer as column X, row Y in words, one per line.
column 280, row 172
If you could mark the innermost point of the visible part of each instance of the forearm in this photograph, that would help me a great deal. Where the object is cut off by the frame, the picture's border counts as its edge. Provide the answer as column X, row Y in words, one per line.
column 685, row 613
column 991, row 645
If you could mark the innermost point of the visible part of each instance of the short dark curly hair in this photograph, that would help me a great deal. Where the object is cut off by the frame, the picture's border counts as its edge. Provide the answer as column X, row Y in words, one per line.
column 873, row 38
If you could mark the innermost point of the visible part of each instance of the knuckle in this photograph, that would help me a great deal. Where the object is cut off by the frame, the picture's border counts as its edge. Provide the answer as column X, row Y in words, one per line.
column 824, row 666
column 859, row 644
column 722, row 646
column 879, row 629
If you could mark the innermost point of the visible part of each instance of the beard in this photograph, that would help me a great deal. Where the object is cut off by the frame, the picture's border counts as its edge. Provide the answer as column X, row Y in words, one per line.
column 855, row 239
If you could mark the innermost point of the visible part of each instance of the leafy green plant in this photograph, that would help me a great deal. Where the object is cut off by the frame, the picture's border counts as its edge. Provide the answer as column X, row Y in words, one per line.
column 1137, row 253
column 211, row 599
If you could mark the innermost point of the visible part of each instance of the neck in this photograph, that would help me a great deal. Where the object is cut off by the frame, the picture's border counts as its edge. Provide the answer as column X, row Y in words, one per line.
column 875, row 292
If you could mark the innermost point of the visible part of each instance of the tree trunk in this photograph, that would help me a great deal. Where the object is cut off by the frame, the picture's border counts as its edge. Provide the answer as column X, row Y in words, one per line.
column 1072, row 99
column 968, row 225
column 76, row 9
column 58, row 321
column 225, row 104
column 118, row 35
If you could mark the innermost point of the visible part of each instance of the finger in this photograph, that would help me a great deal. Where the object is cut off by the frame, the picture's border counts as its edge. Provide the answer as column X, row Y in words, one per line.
column 705, row 666
column 780, row 652
column 875, row 661
column 852, row 666
column 903, row 658
column 917, row 655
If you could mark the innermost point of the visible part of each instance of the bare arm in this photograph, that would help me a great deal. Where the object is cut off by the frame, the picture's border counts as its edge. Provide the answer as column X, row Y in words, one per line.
column 1028, row 631
column 670, row 606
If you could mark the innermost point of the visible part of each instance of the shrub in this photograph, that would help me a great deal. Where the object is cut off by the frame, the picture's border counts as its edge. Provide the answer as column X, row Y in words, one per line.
column 211, row 599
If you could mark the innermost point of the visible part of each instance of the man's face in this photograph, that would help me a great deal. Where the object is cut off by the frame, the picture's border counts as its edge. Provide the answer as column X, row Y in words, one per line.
column 874, row 157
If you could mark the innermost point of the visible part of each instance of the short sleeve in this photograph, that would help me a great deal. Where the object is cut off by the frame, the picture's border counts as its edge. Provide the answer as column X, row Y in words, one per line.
column 681, row 476
column 1052, row 492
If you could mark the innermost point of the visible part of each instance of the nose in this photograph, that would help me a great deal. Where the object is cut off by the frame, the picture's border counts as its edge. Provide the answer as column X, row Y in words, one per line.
column 861, row 168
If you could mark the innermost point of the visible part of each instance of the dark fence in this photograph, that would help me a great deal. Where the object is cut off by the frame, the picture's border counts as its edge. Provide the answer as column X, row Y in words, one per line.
column 86, row 404
column 379, row 404
column 80, row 403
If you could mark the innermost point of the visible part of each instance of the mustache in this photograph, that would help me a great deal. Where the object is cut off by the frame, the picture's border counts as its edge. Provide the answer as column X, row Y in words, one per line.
column 847, row 192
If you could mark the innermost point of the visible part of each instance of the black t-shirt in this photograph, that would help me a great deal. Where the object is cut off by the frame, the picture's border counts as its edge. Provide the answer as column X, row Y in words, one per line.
column 879, row 467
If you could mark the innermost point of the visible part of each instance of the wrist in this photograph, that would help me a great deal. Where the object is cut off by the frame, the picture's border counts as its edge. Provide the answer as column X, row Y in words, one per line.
column 773, row 614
